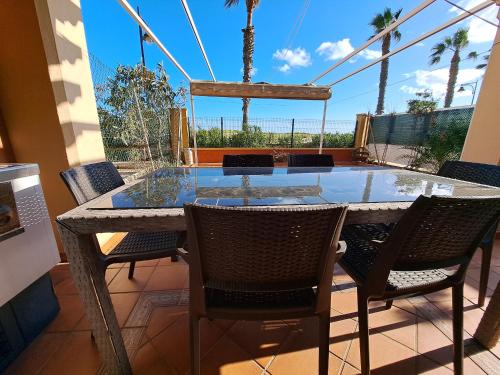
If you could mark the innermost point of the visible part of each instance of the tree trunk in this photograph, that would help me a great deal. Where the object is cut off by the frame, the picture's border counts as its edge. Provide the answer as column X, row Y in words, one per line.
column 248, row 47
column 384, row 73
column 452, row 79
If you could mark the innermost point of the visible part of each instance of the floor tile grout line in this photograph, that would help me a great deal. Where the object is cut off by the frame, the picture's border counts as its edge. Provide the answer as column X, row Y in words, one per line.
column 347, row 350
column 281, row 346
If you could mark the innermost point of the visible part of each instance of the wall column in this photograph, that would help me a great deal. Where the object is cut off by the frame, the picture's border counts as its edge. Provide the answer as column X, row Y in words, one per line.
column 47, row 101
column 482, row 144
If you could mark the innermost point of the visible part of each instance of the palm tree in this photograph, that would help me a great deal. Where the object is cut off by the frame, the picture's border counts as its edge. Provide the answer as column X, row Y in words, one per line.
column 248, row 45
column 485, row 63
column 379, row 23
column 455, row 44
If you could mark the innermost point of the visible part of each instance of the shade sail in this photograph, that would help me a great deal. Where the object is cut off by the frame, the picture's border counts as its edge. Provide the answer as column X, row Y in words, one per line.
column 259, row 90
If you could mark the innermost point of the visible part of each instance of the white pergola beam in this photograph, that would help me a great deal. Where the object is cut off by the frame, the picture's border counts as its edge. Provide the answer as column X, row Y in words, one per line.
column 372, row 40
column 157, row 41
column 428, row 34
column 197, row 36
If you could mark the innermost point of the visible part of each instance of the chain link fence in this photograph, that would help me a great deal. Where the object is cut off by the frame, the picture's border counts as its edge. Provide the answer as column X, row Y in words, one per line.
column 419, row 140
column 215, row 132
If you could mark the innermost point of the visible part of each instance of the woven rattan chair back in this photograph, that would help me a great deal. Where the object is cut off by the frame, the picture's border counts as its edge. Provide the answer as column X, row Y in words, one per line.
column 485, row 174
column 438, row 232
column 261, row 249
column 310, row 160
column 248, row 160
column 92, row 180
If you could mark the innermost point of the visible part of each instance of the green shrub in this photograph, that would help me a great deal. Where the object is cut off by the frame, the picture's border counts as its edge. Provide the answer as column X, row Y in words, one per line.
column 252, row 136
column 208, row 138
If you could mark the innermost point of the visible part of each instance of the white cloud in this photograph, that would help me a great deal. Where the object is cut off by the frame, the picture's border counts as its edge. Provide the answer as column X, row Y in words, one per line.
column 296, row 58
column 343, row 47
column 436, row 81
column 253, row 71
column 370, row 54
column 479, row 31
column 420, row 44
column 284, row 68
column 335, row 50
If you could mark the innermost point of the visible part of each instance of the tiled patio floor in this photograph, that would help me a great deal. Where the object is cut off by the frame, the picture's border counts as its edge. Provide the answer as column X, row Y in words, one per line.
column 411, row 338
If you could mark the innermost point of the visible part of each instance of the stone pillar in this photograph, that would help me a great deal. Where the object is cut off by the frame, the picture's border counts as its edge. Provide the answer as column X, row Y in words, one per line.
column 482, row 144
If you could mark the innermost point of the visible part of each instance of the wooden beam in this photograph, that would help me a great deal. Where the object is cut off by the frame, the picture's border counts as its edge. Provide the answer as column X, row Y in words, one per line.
column 259, row 90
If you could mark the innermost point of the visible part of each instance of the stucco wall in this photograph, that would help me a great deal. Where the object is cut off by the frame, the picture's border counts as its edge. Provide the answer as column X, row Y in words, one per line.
column 482, row 144
column 46, row 98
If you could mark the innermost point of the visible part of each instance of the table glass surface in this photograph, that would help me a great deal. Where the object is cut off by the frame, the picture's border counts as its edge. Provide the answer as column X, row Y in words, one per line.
column 172, row 187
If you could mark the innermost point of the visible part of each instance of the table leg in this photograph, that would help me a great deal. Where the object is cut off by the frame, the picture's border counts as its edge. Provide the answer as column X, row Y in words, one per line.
column 488, row 331
column 89, row 279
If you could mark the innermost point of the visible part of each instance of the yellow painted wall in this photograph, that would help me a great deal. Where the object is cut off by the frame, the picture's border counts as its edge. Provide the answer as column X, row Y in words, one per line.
column 482, row 144
column 46, row 98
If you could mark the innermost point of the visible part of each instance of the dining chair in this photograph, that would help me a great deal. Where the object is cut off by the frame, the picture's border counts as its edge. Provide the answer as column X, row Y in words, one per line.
column 248, row 160
column 90, row 181
column 254, row 263
column 485, row 174
column 428, row 250
column 310, row 160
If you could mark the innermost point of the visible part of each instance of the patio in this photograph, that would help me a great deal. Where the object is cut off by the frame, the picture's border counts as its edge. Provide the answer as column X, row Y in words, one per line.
column 413, row 337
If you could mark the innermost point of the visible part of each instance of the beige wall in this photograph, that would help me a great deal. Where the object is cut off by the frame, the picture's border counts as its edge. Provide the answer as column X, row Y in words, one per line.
column 46, row 98
column 482, row 144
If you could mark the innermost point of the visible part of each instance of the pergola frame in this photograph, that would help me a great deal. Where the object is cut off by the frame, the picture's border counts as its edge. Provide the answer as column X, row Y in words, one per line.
column 284, row 91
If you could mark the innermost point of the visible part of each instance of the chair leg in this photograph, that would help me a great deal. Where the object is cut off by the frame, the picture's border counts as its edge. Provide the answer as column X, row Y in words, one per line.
column 324, row 342
column 458, row 328
column 364, row 334
column 194, row 336
column 485, row 272
column 388, row 304
column 174, row 258
column 131, row 270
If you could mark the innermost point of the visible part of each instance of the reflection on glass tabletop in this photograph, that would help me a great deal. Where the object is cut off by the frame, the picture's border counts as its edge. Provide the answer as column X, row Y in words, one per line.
column 172, row 187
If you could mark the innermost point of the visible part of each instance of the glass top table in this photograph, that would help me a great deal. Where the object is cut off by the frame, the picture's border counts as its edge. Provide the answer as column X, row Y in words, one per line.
column 172, row 187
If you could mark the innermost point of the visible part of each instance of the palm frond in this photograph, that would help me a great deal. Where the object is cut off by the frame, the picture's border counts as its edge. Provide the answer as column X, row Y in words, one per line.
column 461, row 38
column 397, row 14
column 396, row 35
column 378, row 23
column 448, row 41
column 472, row 55
column 231, row 3
column 434, row 60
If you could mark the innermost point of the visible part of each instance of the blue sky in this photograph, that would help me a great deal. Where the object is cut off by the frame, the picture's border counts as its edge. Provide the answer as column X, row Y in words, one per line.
column 284, row 54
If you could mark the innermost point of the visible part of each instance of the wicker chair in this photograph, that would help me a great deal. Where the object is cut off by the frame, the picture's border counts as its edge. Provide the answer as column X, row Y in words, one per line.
column 247, row 160
column 310, row 160
column 486, row 174
column 262, row 264
column 415, row 258
column 90, row 181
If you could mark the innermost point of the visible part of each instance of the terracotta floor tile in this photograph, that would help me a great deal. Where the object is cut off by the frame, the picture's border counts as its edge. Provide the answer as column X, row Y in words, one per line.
column 123, row 303
column 433, row 343
column 396, row 323
column 427, row 366
column 77, row 356
column 110, row 274
column 227, row 358
column 70, row 314
column 168, row 262
column 145, row 263
column 345, row 303
column 261, row 340
column 342, row 332
column 121, row 283
column 148, row 361
column 62, row 280
column 302, row 362
column 471, row 368
column 386, row 356
column 173, row 342
column 162, row 317
column 172, row 277
column 349, row 370
column 33, row 358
